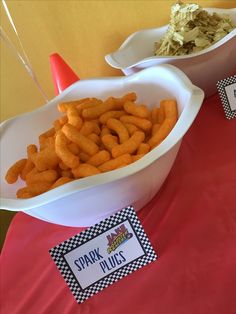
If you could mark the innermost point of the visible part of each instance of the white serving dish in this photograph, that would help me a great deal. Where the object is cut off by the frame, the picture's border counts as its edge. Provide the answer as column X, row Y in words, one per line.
column 86, row 201
column 204, row 68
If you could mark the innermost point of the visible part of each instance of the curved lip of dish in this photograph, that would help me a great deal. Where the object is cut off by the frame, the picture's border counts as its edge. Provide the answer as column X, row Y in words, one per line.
column 112, row 60
column 191, row 110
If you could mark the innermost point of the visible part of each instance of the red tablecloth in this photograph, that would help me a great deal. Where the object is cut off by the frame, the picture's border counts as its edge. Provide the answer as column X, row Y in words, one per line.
column 191, row 224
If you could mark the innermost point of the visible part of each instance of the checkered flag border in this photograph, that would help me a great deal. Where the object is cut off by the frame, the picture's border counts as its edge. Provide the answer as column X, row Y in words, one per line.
column 58, row 252
column 223, row 96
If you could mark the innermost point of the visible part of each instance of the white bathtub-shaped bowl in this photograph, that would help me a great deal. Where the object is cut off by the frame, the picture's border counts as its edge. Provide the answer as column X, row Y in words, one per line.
column 204, row 68
column 86, row 201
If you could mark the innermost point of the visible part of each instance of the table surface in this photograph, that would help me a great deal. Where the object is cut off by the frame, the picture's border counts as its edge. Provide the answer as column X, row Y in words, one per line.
column 191, row 222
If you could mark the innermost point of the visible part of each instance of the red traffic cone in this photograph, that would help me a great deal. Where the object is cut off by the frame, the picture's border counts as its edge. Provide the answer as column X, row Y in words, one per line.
column 63, row 75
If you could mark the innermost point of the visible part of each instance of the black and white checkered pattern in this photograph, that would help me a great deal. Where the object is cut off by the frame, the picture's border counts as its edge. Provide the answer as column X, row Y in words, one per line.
column 223, row 96
column 60, row 250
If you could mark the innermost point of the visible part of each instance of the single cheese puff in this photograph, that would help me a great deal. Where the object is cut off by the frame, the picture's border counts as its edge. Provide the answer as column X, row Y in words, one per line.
column 84, row 157
column 116, row 114
column 99, row 158
column 116, row 163
column 66, row 173
column 57, row 125
column 141, row 123
column 46, row 159
column 31, row 151
column 74, row 148
column 95, row 138
column 140, row 111
column 143, row 148
column 170, row 109
column 119, row 102
column 74, row 118
column 14, row 171
column 161, row 114
column 64, row 152
column 85, row 170
column 46, row 142
column 45, row 176
column 39, row 187
column 63, row 166
column 23, row 193
column 154, row 115
column 109, row 141
column 155, row 128
column 63, row 120
column 87, row 128
column 83, row 142
column 97, row 111
column 47, row 134
column 105, row 131
column 137, row 157
column 119, row 128
column 62, row 107
column 130, row 146
column 29, row 165
column 88, row 103
column 131, row 128
column 61, row 181
column 162, row 133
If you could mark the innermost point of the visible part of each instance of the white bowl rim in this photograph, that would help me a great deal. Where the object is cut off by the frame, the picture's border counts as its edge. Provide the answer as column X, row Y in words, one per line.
column 196, row 98
column 113, row 62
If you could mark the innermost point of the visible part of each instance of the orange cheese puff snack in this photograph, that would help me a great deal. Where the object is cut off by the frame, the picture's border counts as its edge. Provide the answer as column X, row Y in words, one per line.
column 14, row 171
column 60, row 182
column 141, row 123
column 109, row 141
column 170, row 109
column 87, row 128
column 63, row 166
column 105, row 131
column 116, row 114
column 74, row 118
column 140, row 111
column 161, row 114
column 131, row 128
column 57, row 125
column 39, row 187
column 129, row 146
column 85, row 170
column 137, row 157
column 119, row 128
column 63, row 120
column 62, row 107
column 88, row 103
column 47, row 134
column 154, row 115
column 45, row 176
column 83, row 142
column 64, row 152
column 116, row 163
column 31, row 151
column 119, row 102
column 74, row 148
column 84, row 157
column 27, row 168
column 95, row 138
column 97, row 111
column 99, row 158
column 46, row 159
column 155, row 128
column 161, row 134
column 66, row 173
column 143, row 148
column 23, row 193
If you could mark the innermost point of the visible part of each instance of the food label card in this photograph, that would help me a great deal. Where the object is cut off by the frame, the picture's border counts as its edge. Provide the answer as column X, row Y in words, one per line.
column 227, row 92
column 103, row 254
